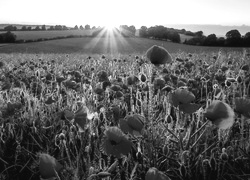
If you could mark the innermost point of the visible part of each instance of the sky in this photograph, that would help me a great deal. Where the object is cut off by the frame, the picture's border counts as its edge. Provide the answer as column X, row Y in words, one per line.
column 125, row 12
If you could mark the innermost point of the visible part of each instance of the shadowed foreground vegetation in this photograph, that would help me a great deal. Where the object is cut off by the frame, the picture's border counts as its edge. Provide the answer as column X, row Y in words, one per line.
column 107, row 117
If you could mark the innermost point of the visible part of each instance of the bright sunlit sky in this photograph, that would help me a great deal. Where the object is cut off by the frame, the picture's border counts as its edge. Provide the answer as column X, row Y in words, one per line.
column 129, row 12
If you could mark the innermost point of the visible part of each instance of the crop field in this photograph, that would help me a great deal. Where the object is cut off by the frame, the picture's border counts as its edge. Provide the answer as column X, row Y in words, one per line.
column 97, row 45
column 34, row 35
column 123, row 116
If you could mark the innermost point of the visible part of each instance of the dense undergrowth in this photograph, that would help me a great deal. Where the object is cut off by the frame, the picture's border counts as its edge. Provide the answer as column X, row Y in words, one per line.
column 64, row 105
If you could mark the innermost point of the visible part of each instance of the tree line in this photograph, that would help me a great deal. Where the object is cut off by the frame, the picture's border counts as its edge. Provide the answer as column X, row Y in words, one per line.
column 161, row 33
column 233, row 38
column 45, row 28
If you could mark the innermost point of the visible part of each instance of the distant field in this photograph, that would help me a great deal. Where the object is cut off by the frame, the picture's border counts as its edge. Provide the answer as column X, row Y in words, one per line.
column 33, row 35
column 185, row 37
column 97, row 45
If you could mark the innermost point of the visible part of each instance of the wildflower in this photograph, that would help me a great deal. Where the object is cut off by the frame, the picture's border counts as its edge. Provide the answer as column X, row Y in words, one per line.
column 50, row 100
column 68, row 115
column 167, row 88
column 242, row 106
column 118, row 94
column 1, row 64
column 158, row 55
column 132, row 80
column 81, row 116
column 70, row 84
column 115, row 88
column 220, row 113
column 132, row 124
column 159, row 83
column 115, row 142
column 155, row 174
column 102, row 76
column 179, row 60
column 183, row 98
column 48, row 166
column 224, row 68
column 245, row 67
column 99, row 89
column 60, row 79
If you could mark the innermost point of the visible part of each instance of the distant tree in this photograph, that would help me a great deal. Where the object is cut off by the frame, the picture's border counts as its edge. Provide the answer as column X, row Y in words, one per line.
column 210, row 40
column 10, row 28
column 51, row 28
column 24, row 28
column 182, row 31
column 246, row 39
column 81, row 27
column 37, row 28
column 143, row 31
column 93, row 27
column 174, row 37
column 29, row 28
column 199, row 34
column 87, row 27
column 64, row 27
column 189, row 33
column 233, row 38
column 76, row 27
column 58, row 27
column 132, row 29
column 221, row 41
column 43, row 27
column 8, row 37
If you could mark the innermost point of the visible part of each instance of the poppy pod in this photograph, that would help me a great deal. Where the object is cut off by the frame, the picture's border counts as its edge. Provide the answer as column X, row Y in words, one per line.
column 242, row 106
column 143, row 78
column 115, row 142
column 155, row 174
column 220, row 113
column 48, row 166
column 158, row 55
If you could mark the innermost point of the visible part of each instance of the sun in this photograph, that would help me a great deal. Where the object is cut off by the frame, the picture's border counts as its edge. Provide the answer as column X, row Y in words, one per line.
column 110, row 26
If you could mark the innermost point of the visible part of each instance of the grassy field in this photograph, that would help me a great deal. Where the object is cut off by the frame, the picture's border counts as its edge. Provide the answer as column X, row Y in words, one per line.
column 90, row 45
column 34, row 35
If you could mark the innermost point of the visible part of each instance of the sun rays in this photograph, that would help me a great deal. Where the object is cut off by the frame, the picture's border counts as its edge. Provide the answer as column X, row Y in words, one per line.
column 111, row 38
